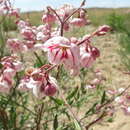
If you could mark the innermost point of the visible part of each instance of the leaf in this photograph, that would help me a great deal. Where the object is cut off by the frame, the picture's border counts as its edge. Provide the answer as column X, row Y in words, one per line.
column 72, row 94
column 103, row 97
column 55, row 123
column 57, row 101
column 91, row 109
column 1, row 65
column 77, row 125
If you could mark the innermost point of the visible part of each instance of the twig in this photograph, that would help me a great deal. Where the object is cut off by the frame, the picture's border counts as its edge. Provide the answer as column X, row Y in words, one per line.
column 103, row 105
column 96, row 120
column 75, row 11
column 39, row 117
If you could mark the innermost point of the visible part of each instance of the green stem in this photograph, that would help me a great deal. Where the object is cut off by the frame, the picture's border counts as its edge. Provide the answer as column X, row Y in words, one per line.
column 38, row 57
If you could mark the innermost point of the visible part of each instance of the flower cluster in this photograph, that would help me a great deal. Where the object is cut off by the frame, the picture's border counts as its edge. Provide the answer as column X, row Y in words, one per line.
column 7, row 8
column 10, row 67
column 73, row 53
column 39, row 82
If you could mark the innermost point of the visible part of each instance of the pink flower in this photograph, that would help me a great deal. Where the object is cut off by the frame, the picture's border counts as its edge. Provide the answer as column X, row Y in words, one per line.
column 120, row 100
column 9, row 73
column 29, row 33
column 22, row 24
column 51, row 87
column 9, row 69
column 79, row 22
column 16, row 45
column 48, row 18
column 90, row 86
column 86, row 59
column 46, row 29
column 39, row 82
column 112, row 92
column 5, row 85
column 62, row 51
column 43, row 32
column 14, row 12
column 88, row 55
column 96, row 81
column 65, row 10
column 42, row 37
column 126, row 110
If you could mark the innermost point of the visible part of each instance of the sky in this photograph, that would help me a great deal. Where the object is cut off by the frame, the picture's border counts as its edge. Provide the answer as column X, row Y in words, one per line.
column 29, row 5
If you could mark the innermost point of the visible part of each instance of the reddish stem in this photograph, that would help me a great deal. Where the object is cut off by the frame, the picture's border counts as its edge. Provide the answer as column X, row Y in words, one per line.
column 96, row 120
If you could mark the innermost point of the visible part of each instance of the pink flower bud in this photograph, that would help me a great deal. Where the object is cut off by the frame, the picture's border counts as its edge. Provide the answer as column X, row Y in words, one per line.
column 50, row 90
column 95, row 52
column 103, row 30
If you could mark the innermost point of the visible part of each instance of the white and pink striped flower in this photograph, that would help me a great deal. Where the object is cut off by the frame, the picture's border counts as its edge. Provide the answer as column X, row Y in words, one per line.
column 62, row 51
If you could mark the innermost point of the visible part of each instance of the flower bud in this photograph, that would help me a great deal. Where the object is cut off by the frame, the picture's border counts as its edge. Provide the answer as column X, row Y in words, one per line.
column 50, row 90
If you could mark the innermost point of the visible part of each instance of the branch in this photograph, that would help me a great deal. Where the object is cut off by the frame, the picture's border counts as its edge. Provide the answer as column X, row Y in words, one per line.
column 49, row 8
column 96, row 120
column 75, row 11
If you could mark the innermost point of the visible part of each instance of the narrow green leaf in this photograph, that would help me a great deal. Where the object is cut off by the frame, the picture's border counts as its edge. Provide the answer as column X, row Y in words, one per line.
column 57, row 101
column 91, row 109
column 72, row 94
column 103, row 97
column 77, row 125
column 1, row 65
column 55, row 123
